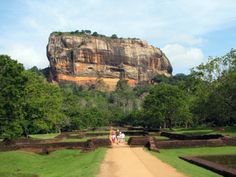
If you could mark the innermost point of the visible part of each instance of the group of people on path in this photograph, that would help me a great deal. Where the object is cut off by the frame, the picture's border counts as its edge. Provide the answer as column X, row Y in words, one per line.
column 116, row 136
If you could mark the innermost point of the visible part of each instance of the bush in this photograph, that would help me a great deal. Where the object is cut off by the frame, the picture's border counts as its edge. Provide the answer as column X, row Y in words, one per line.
column 114, row 36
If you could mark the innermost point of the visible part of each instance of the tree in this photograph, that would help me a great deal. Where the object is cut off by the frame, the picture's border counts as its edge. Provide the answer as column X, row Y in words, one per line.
column 135, row 118
column 12, row 88
column 95, row 34
column 221, row 103
column 215, row 67
column 124, row 96
column 114, row 36
column 160, row 78
column 87, row 32
column 214, row 89
column 42, row 105
column 165, row 105
column 71, row 108
column 101, row 86
column 229, row 91
column 122, row 85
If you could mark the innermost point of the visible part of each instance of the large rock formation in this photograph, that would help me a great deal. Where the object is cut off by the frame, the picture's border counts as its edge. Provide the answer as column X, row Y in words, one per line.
column 84, row 59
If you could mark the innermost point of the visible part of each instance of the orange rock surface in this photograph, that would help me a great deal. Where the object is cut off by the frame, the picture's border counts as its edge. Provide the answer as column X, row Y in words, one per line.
column 83, row 59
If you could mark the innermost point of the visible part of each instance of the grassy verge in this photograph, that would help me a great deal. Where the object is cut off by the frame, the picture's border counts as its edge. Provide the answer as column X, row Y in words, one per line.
column 69, row 163
column 229, row 130
column 97, row 131
column 83, row 139
column 45, row 136
column 74, row 140
column 171, row 156
column 127, row 138
column 161, row 138
column 194, row 131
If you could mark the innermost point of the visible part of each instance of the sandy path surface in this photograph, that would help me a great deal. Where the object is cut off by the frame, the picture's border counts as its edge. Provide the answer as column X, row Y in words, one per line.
column 123, row 161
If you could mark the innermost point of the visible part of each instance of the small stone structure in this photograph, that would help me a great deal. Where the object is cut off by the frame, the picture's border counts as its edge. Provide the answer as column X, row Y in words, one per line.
column 42, row 146
column 168, row 144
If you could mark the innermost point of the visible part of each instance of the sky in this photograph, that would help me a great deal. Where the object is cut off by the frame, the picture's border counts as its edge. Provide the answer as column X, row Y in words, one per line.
column 187, row 31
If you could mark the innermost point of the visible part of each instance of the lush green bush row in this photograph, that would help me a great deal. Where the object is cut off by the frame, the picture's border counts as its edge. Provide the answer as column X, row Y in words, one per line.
column 30, row 105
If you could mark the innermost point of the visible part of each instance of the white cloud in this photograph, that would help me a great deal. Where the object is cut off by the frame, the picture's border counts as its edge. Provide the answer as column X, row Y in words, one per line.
column 160, row 22
column 27, row 55
column 188, row 39
column 155, row 19
column 183, row 58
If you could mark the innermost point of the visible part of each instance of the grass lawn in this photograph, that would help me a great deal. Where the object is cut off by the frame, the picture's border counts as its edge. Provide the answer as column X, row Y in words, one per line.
column 67, row 163
column 171, row 156
column 74, row 139
column 127, row 138
column 229, row 130
column 83, row 139
column 194, row 131
column 97, row 131
column 161, row 138
column 45, row 136
column 100, row 137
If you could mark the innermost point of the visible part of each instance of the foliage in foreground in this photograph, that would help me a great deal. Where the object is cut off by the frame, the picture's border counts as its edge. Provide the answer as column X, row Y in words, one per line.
column 28, row 103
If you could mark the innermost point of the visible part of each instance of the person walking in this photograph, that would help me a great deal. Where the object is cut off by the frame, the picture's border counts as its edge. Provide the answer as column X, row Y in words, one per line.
column 112, row 135
column 117, row 135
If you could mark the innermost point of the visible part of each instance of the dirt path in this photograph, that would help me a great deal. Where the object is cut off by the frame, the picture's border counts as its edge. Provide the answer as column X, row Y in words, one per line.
column 123, row 161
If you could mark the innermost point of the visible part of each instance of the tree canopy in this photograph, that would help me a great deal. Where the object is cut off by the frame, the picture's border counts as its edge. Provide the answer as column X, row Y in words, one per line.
column 165, row 104
column 29, row 104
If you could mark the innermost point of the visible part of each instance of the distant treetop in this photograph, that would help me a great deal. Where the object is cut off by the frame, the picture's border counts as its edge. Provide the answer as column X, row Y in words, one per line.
column 89, row 33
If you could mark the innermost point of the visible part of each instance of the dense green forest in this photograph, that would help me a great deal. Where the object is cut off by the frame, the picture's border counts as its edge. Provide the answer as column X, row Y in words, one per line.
column 29, row 104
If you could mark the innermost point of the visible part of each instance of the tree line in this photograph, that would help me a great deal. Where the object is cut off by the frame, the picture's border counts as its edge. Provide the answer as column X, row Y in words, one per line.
column 30, row 105
column 86, row 32
column 90, row 33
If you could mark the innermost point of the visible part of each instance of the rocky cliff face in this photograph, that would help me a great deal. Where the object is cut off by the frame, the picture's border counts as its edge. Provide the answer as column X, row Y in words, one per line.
column 84, row 59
